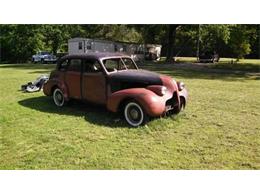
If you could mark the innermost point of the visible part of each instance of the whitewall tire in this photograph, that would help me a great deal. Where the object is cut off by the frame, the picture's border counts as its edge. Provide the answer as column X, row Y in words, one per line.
column 134, row 114
column 58, row 97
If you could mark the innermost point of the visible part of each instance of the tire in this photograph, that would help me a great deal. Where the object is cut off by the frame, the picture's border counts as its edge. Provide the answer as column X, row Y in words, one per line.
column 182, row 106
column 42, row 61
column 134, row 114
column 58, row 97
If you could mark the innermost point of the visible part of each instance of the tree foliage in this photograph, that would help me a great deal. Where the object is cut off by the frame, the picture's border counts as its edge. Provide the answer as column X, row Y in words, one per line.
column 19, row 42
column 240, row 38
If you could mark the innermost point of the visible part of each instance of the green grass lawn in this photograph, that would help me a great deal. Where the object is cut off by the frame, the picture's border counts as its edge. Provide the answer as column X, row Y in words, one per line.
column 227, row 63
column 220, row 128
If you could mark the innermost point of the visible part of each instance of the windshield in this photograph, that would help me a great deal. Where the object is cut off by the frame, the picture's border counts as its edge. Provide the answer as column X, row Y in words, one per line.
column 116, row 64
column 44, row 53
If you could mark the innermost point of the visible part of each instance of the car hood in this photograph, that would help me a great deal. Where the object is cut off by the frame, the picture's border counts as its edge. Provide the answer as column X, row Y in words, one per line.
column 136, row 76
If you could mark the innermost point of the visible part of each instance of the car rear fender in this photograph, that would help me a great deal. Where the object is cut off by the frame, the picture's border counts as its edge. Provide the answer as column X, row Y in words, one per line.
column 153, row 104
column 51, row 84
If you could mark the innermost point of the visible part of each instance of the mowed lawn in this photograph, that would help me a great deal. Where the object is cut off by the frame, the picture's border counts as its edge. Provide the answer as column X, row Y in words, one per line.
column 220, row 128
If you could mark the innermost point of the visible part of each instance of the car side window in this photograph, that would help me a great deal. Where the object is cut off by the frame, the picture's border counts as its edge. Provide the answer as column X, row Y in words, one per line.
column 129, row 63
column 92, row 66
column 113, row 64
column 74, row 65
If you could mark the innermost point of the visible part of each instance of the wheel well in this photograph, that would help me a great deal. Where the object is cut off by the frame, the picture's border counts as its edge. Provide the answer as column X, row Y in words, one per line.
column 53, row 88
column 123, row 102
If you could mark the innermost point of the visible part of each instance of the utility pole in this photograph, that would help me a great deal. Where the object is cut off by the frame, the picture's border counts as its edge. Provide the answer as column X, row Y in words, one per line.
column 198, row 43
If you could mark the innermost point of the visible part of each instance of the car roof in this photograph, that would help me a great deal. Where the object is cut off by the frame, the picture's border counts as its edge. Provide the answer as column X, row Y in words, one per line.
column 96, row 55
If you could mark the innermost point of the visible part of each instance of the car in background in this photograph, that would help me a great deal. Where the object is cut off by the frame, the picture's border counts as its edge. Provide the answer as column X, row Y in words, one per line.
column 151, row 56
column 208, row 57
column 44, row 57
column 114, row 81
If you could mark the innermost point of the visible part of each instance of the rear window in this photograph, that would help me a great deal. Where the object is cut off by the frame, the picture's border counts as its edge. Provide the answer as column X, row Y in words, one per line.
column 75, row 65
column 63, row 65
column 70, row 65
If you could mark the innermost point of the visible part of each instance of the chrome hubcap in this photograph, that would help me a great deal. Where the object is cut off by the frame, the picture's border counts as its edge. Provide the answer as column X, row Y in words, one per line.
column 134, row 114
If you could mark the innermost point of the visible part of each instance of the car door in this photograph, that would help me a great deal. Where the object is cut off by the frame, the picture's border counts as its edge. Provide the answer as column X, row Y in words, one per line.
column 73, row 78
column 93, row 82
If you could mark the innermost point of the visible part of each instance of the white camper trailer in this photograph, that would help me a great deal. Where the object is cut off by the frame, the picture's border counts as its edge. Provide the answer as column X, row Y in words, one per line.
column 82, row 45
column 85, row 45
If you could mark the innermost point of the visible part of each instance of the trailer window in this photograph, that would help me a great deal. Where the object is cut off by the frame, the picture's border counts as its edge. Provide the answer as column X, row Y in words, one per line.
column 116, row 49
column 80, row 45
column 88, row 45
column 124, row 48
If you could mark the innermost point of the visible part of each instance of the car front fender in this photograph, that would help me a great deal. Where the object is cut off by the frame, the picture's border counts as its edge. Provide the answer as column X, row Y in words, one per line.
column 153, row 104
column 184, row 94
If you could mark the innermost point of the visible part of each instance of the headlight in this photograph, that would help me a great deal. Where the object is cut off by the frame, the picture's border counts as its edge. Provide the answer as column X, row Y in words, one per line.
column 181, row 86
column 158, row 89
column 163, row 90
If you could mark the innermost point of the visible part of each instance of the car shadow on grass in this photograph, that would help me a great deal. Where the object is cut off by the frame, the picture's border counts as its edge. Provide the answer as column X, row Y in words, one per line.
column 92, row 113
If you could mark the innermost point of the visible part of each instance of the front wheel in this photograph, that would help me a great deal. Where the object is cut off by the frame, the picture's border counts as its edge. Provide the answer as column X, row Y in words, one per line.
column 134, row 114
column 58, row 97
column 177, row 110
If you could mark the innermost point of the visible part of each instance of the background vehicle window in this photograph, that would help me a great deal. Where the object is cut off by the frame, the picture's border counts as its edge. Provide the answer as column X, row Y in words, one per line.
column 129, row 63
column 75, row 65
column 44, row 53
column 92, row 66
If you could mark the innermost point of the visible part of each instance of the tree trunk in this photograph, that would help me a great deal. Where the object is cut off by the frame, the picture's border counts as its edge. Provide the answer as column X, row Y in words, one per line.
column 171, row 42
column 198, row 44
column 258, row 37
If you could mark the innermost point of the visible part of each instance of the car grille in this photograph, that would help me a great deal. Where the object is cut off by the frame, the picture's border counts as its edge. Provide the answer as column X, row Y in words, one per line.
column 172, row 103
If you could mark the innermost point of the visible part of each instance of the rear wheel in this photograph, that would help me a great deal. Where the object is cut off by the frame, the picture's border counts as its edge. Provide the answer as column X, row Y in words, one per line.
column 134, row 114
column 58, row 97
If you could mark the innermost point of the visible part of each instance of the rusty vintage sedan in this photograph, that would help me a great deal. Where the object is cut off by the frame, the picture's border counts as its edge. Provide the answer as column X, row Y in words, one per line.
column 115, row 81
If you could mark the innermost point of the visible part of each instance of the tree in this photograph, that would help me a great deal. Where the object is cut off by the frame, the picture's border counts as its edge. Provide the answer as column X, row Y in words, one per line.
column 213, row 36
column 56, row 36
column 171, row 29
column 240, row 40
column 113, row 32
column 19, row 42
